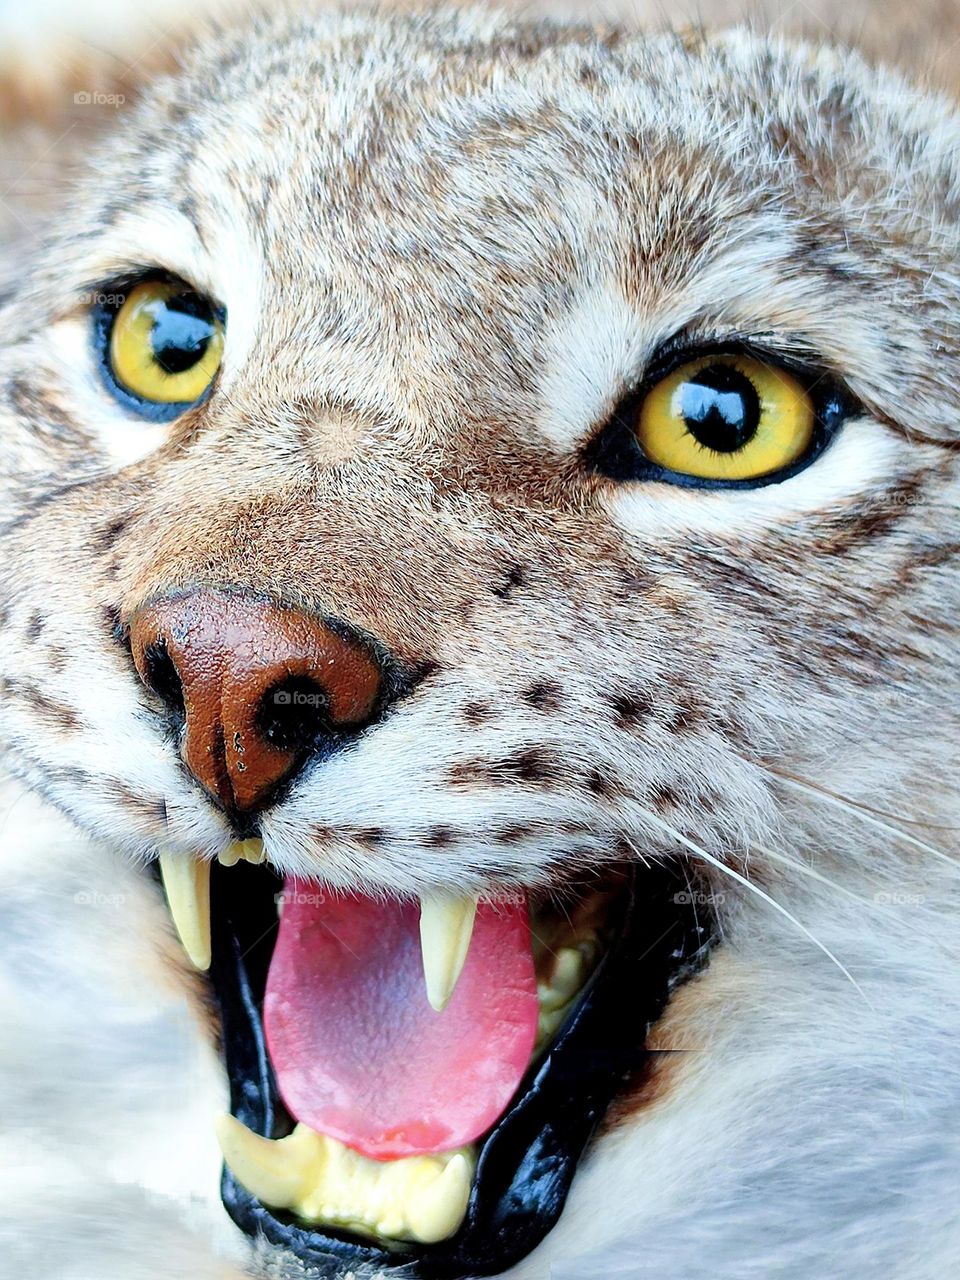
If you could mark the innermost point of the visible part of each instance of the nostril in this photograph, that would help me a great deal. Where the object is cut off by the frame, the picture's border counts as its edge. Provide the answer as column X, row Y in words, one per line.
column 162, row 676
column 293, row 715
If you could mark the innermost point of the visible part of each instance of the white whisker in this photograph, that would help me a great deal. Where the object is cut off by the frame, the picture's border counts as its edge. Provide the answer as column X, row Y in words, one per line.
column 811, row 872
column 765, row 897
column 857, row 810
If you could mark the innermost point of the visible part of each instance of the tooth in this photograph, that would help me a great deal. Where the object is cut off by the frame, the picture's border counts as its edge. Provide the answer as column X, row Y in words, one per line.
column 186, row 882
column 253, row 850
column 275, row 1171
column 436, row 1212
column 446, row 927
column 324, row 1182
column 568, row 976
column 242, row 851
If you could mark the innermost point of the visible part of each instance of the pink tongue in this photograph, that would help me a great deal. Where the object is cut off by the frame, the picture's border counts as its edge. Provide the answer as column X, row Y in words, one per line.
column 358, row 1052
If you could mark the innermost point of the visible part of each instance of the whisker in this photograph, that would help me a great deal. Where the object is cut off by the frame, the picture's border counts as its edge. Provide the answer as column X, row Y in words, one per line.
column 858, row 812
column 811, row 872
column 865, row 808
column 765, row 897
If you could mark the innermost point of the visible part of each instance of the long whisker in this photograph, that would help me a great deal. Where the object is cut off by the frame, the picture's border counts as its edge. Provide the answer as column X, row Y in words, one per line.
column 857, row 811
column 747, row 884
column 865, row 808
column 811, row 872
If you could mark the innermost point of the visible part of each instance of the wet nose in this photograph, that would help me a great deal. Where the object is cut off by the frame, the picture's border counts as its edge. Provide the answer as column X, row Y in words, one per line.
column 255, row 689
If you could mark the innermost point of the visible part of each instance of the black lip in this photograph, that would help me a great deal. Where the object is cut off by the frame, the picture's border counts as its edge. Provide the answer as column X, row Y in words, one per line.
column 527, row 1162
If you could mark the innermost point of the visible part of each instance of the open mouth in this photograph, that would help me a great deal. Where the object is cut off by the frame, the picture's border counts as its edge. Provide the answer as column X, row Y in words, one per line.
column 413, row 1085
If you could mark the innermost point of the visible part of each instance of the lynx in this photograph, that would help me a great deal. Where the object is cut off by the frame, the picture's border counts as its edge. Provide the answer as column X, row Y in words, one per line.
column 479, row 672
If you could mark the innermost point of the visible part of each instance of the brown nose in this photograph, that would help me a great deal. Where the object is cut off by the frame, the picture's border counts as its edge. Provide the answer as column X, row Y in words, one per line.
column 258, row 688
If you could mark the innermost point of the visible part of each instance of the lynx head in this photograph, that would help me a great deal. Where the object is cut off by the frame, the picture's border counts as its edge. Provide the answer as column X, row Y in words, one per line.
column 499, row 480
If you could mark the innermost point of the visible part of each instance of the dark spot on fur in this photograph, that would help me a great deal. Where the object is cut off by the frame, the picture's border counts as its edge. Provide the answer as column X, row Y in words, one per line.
column 631, row 709
column 41, row 705
column 110, row 613
column 418, row 671
column 872, row 519
column 532, row 765
column 634, row 579
column 56, row 658
column 513, row 833
column 150, row 811
column 105, row 539
column 570, row 827
column 441, row 837
column 468, row 773
column 662, row 797
column 813, row 255
column 35, row 626
column 601, row 784
column 187, row 204
column 683, row 718
column 373, row 837
column 545, row 695
column 74, row 777
column 477, row 713
column 39, row 409
column 642, row 1089
column 514, row 579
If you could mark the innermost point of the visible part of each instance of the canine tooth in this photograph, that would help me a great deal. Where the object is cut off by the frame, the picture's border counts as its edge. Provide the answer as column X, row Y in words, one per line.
column 437, row 1211
column 446, row 927
column 186, row 882
column 275, row 1171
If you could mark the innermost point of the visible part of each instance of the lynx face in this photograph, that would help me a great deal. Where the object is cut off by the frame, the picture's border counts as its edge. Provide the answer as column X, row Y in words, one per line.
column 454, row 462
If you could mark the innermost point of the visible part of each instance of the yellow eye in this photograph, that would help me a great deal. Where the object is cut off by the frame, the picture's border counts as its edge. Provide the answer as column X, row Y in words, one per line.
column 166, row 343
column 726, row 416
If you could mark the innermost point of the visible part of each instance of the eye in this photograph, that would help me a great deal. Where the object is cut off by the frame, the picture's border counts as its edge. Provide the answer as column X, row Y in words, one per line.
column 726, row 417
column 160, row 347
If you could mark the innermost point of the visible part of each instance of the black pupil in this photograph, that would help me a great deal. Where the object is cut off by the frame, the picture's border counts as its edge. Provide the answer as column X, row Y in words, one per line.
column 182, row 328
column 720, row 407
